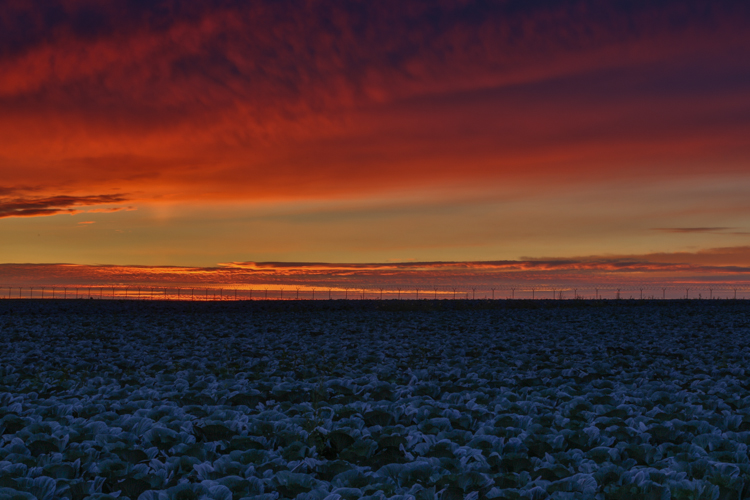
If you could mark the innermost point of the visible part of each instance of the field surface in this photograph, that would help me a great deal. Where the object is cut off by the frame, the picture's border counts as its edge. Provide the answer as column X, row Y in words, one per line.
column 367, row 399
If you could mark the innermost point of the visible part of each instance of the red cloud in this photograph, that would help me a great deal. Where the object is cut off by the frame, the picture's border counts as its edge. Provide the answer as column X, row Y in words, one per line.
column 257, row 100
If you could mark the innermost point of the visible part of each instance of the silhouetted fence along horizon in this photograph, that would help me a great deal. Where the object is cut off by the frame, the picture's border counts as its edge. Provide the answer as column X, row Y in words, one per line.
column 443, row 292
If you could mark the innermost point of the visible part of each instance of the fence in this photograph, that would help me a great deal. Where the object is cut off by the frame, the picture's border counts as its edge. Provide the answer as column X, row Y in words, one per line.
column 520, row 292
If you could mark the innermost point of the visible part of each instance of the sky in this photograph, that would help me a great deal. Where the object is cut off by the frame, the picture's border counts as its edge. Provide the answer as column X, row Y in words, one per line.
column 537, row 141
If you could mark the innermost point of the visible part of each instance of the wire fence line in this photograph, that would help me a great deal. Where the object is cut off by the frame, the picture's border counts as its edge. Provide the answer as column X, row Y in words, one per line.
column 391, row 292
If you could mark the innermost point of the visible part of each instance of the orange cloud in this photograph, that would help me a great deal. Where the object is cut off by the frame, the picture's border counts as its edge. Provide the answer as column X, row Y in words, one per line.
column 720, row 266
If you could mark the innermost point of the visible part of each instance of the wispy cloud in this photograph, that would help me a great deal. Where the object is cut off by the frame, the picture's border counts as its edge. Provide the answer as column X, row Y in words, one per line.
column 695, row 229
column 54, row 205
column 719, row 265
column 110, row 210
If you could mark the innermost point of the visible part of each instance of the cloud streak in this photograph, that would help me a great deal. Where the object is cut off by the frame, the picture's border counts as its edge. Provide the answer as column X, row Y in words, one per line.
column 39, row 207
column 690, row 230
column 720, row 266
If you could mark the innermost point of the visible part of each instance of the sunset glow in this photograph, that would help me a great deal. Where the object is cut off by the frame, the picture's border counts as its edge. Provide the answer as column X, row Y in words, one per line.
column 374, row 144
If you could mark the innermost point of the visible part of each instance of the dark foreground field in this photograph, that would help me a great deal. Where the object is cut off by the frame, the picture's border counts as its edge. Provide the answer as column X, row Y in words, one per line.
column 344, row 400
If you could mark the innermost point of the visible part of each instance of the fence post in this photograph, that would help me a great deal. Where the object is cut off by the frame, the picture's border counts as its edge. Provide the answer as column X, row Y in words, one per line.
column 313, row 294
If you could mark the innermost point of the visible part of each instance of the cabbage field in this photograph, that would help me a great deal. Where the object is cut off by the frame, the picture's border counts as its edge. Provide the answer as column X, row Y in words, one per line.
column 375, row 399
